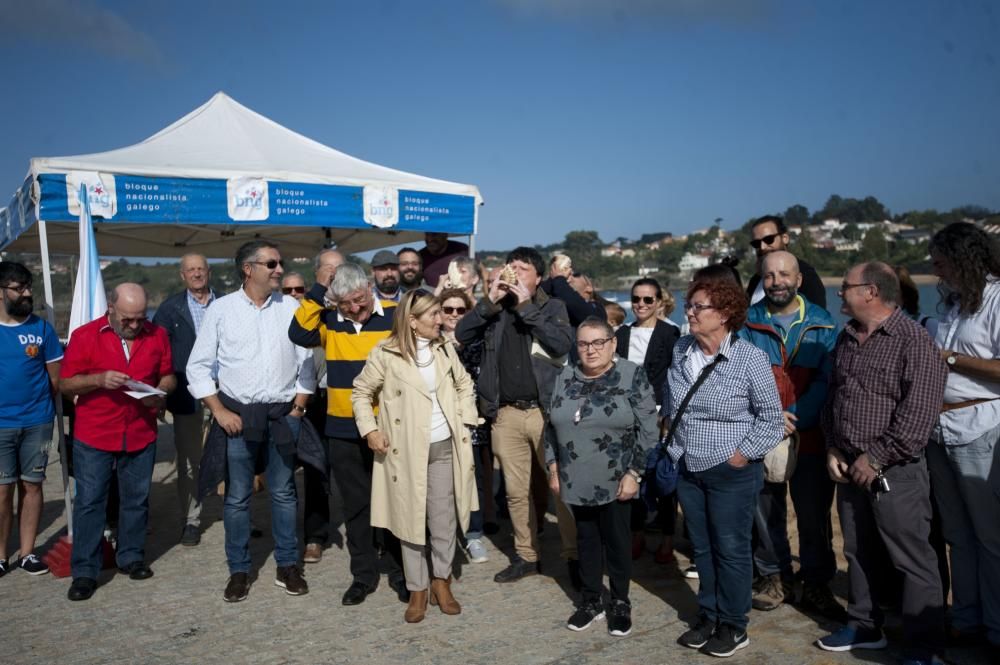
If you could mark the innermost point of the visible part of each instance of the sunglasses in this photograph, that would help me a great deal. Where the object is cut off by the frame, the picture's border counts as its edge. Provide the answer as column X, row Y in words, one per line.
column 128, row 322
column 766, row 240
column 648, row 300
column 270, row 265
column 288, row 290
column 454, row 310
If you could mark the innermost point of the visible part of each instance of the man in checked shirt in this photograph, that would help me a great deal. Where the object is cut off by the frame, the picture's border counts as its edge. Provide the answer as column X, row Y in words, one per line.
column 885, row 395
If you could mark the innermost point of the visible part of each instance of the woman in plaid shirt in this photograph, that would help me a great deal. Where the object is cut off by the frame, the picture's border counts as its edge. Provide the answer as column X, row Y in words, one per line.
column 731, row 422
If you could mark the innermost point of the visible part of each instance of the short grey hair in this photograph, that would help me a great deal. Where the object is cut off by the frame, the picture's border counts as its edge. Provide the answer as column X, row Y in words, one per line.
column 350, row 277
column 289, row 275
column 598, row 323
column 882, row 277
column 317, row 262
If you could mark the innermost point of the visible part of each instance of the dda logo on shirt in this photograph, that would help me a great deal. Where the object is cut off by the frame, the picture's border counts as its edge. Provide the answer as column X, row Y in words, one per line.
column 32, row 344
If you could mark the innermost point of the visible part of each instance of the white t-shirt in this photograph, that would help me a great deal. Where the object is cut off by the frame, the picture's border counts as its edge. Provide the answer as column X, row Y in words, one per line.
column 698, row 360
column 638, row 343
column 425, row 363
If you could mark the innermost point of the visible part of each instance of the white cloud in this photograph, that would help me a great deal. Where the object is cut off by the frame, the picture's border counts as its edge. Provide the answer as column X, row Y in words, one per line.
column 79, row 22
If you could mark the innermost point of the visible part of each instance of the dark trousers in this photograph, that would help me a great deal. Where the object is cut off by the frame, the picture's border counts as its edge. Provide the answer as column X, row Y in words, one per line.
column 718, row 506
column 603, row 536
column 351, row 461
column 812, row 497
column 901, row 519
column 93, row 470
column 316, row 503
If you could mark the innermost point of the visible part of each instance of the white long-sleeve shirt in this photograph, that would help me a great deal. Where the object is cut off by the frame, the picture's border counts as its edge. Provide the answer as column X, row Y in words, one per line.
column 246, row 350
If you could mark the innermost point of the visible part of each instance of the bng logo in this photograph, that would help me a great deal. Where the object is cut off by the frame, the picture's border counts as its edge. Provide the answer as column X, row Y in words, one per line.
column 248, row 199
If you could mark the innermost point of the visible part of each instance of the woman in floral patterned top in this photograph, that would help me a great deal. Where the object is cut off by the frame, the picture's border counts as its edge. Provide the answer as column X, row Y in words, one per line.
column 602, row 423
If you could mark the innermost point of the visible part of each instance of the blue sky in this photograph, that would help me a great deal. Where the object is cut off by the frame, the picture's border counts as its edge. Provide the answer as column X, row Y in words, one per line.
column 624, row 117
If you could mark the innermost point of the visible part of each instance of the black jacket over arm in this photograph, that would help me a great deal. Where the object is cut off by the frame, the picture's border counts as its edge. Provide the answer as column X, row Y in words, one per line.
column 658, row 355
column 577, row 308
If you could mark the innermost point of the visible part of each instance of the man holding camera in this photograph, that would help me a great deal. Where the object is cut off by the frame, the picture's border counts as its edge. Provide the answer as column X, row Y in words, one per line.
column 885, row 395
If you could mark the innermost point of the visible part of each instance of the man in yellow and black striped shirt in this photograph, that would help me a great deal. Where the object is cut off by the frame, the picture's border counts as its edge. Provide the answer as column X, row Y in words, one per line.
column 348, row 334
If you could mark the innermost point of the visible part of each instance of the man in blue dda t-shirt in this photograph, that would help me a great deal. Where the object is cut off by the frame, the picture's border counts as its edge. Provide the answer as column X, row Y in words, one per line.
column 29, row 370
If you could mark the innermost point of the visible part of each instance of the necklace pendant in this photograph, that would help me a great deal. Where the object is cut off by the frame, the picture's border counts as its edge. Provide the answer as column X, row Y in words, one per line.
column 576, row 416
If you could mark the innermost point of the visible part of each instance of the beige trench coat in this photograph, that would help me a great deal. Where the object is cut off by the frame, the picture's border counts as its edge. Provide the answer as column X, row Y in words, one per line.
column 399, row 478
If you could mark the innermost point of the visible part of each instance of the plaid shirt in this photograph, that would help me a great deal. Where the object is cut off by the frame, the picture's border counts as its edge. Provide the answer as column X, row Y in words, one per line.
column 885, row 394
column 197, row 309
column 737, row 407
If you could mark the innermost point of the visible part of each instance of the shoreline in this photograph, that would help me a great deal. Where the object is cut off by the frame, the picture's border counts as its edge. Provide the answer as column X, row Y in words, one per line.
column 919, row 280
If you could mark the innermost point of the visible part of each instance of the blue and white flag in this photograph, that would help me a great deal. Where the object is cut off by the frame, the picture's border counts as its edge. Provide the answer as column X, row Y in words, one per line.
column 89, row 299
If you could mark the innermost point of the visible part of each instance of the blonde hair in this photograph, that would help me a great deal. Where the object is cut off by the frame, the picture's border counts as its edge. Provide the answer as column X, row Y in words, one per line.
column 413, row 303
column 561, row 262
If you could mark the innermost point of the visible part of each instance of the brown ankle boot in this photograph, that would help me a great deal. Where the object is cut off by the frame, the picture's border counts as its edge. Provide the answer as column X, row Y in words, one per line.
column 417, row 609
column 441, row 596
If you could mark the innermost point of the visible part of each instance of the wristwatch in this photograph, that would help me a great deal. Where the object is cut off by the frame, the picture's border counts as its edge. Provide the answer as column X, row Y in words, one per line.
column 952, row 360
column 636, row 476
column 299, row 409
column 876, row 466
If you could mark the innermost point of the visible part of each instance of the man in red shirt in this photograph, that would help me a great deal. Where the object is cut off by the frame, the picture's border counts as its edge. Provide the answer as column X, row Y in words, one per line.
column 114, row 430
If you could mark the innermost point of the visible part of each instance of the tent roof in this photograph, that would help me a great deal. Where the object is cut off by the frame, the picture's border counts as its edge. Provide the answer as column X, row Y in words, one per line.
column 218, row 142
column 224, row 139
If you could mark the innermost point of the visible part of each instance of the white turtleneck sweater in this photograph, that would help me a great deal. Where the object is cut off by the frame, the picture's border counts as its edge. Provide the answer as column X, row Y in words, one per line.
column 439, row 424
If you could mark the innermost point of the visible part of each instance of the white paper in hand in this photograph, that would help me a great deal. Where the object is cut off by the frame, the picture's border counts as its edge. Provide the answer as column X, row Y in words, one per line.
column 139, row 390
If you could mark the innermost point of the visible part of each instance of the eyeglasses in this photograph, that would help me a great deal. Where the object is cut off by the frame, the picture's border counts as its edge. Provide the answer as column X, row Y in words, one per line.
column 577, row 274
column 846, row 286
column 288, row 290
column 649, row 300
column 697, row 307
column 766, row 240
column 598, row 344
column 270, row 265
column 454, row 310
column 18, row 289
column 129, row 322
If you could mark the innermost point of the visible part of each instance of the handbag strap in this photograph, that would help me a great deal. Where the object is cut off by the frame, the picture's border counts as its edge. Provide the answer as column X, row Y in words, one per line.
column 687, row 399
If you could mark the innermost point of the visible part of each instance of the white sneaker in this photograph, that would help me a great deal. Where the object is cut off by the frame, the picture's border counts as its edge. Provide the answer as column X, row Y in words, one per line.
column 477, row 551
column 691, row 573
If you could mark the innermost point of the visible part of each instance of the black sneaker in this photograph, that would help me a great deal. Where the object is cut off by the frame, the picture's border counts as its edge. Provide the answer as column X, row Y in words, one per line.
column 699, row 634
column 290, row 579
column 620, row 619
column 4, row 567
column 518, row 568
column 818, row 598
column 190, row 536
column 237, row 589
column 586, row 614
column 32, row 565
column 726, row 641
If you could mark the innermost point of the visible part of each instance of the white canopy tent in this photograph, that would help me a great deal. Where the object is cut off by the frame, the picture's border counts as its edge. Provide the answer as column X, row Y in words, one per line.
column 222, row 175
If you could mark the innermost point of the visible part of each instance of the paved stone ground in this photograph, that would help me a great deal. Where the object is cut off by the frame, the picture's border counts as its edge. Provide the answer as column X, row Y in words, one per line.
column 179, row 616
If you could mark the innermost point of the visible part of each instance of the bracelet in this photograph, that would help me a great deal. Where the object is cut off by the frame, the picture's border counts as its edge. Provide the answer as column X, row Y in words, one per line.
column 299, row 409
column 636, row 476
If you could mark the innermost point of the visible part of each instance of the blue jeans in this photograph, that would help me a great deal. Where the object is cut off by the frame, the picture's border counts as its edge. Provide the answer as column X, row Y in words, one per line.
column 967, row 492
column 24, row 453
column 279, row 470
column 812, row 497
column 476, row 516
column 718, row 506
column 92, row 470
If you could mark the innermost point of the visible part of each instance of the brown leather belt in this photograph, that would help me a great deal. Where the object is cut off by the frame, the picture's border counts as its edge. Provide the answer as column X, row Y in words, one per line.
column 961, row 405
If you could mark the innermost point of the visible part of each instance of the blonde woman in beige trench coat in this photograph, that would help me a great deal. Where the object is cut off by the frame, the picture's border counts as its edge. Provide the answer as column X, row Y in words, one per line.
column 423, row 478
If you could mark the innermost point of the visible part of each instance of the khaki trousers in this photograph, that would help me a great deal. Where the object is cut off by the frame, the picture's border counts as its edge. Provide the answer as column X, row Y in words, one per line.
column 519, row 442
column 442, row 522
column 189, row 439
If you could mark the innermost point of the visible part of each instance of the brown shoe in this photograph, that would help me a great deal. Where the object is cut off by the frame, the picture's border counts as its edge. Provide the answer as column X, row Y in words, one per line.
column 441, row 596
column 417, row 608
column 769, row 593
column 237, row 589
column 314, row 553
column 290, row 578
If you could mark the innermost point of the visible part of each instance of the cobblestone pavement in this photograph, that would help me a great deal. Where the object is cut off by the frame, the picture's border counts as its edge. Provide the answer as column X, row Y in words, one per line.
column 179, row 616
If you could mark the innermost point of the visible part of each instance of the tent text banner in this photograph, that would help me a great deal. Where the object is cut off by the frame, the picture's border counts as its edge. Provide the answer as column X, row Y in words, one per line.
column 164, row 200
